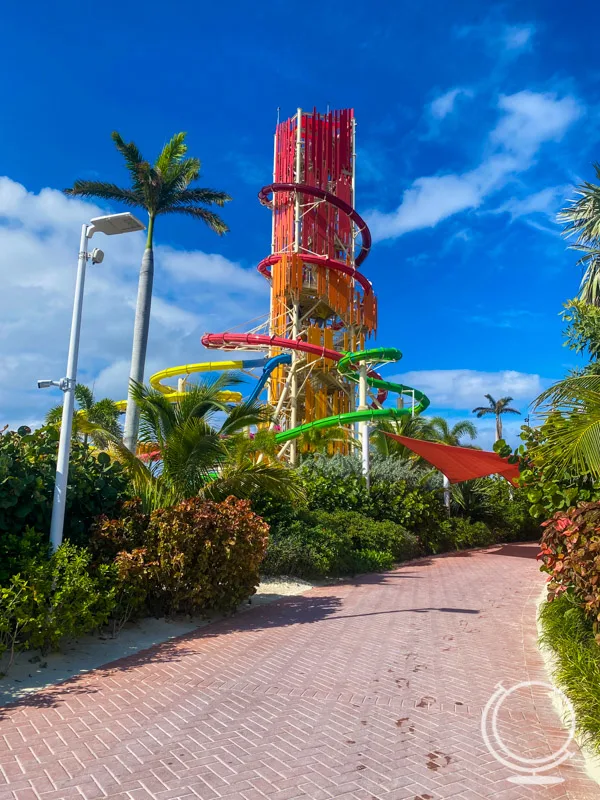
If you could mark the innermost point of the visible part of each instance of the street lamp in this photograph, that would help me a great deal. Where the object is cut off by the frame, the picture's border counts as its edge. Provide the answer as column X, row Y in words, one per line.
column 110, row 225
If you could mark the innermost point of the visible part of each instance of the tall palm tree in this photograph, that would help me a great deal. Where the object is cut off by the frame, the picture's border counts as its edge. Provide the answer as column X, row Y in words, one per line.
column 582, row 220
column 102, row 414
column 497, row 408
column 193, row 456
column 160, row 188
column 443, row 433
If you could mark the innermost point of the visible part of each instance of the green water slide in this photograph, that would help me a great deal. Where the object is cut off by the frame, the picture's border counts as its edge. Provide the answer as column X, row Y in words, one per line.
column 347, row 366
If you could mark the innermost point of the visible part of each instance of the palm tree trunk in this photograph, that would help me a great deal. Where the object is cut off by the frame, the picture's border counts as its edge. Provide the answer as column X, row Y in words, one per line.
column 498, row 427
column 140, row 343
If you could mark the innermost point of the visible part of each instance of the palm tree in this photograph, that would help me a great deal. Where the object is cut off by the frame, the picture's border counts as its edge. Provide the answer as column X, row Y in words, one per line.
column 497, row 408
column 443, row 433
column 413, row 427
column 161, row 188
column 194, row 457
column 582, row 220
column 102, row 414
column 570, row 442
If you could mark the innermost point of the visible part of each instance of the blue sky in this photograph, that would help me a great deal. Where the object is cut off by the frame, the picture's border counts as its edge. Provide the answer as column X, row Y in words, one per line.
column 475, row 120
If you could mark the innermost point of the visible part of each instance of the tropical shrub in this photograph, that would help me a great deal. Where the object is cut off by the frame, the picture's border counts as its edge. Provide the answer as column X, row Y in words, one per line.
column 320, row 544
column 568, row 632
column 463, row 533
column 97, row 484
column 570, row 554
column 189, row 558
column 61, row 597
column 546, row 488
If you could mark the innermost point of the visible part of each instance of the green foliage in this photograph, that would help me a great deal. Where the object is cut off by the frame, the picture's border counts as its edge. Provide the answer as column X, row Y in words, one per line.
column 197, row 459
column 546, row 487
column 96, row 420
column 582, row 333
column 27, row 472
column 58, row 598
column 464, row 533
column 189, row 558
column 570, row 553
column 322, row 544
column 568, row 633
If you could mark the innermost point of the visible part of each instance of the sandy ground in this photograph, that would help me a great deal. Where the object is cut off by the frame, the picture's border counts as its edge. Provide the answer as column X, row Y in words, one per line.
column 30, row 672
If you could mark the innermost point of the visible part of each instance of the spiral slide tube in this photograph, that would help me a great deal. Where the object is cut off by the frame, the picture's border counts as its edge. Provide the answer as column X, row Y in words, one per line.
column 347, row 363
column 346, row 366
column 268, row 365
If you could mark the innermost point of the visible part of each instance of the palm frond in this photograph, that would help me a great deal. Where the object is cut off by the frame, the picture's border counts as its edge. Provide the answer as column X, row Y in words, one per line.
column 464, row 428
column 191, row 454
column 84, row 396
column 208, row 197
column 54, row 415
column 246, row 415
column 105, row 191
column 481, row 411
column 214, row 221
column 251, row 479
column 173, row 152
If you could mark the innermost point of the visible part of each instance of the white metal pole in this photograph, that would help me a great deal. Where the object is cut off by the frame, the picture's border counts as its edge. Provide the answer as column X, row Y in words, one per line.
column 68, row 387
column 295, row 300
column 446, row 493
column 364, row 426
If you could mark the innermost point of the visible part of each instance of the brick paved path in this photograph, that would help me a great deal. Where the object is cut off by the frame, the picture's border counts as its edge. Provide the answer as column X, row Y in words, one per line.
column 368, row 690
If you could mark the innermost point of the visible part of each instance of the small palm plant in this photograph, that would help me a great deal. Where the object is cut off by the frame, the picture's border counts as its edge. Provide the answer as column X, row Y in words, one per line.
column 160, row 188
column 496, row 408
column 102, row 416
column 194, row 456
column 570, row 440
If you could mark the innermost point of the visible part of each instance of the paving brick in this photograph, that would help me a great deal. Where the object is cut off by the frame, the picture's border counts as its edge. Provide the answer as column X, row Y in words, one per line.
column 368, row 690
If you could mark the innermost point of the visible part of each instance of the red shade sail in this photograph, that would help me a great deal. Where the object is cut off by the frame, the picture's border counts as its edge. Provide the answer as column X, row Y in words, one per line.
column 460, row 463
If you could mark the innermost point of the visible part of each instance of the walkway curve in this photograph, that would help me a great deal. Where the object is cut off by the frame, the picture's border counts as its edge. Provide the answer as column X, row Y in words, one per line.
column 365, row 690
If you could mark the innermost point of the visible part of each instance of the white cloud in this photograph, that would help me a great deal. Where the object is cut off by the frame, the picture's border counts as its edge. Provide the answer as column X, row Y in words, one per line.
column 517, row 37
column 39, row 236
column 444, row 104
column 465, row 388
column 528, row 120
column 500, row 39
column 548, row 202
column 532, row 118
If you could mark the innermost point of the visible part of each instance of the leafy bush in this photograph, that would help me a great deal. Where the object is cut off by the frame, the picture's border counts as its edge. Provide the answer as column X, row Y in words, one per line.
column 463, row 533
column 570, row 554
column 547, row 489
column 384, row 469
column 568, row 632
column 58, row 598
column 340, row 543
column 27, row 472
column 192, row 557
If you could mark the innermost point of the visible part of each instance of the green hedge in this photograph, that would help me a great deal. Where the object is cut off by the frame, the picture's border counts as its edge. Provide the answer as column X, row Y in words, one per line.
column 322, row 544
column 569, row 634
column 27, row 470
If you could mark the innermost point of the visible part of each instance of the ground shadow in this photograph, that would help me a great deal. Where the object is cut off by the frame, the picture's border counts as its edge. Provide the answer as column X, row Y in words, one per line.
column 528, row 550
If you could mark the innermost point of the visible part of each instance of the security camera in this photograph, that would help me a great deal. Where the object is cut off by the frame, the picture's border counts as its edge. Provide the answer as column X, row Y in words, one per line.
column 97, row 256
column 45, row 384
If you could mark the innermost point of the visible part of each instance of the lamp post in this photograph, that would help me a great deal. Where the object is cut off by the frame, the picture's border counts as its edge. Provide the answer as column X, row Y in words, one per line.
column 110, row 225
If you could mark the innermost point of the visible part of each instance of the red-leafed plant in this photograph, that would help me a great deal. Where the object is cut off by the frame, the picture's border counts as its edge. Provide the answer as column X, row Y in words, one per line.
column 570, row 552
